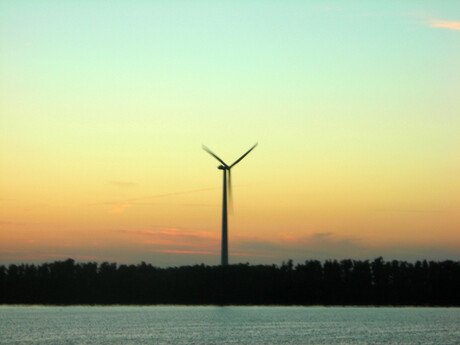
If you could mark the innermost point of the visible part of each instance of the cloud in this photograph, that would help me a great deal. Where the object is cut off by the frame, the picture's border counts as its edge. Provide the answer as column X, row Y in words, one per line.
column 319, row 245
column 171, row 246
column 328, row 245
column 167, row 245
column 175, row 237
column 81, row 257
column 179, row 241
column 252, row 255
column 121, row 205
column 184, row 252
column 173, row 194
column 285, row 245
column 435, row 23
column 27, row 257
column 13, row 223
column 119, row 208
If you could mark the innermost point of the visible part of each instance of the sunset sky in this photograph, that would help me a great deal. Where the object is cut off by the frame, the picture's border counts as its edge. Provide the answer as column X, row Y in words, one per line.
column 104, row 106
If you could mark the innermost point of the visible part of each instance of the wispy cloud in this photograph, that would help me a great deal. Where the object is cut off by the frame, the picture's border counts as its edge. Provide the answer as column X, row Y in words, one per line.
column 217, row 253
column 81, row 257
column 13, row 223
column 172, row 194
column 184, row 251
column 436, row 23
column 252, row 255
column 25, row 257
column 427, row 19
column 285, row 245
column 329, row 245
column 119, row 208
column 121, row 205
column 175, row 237
column 321, row 245
column 169, row 246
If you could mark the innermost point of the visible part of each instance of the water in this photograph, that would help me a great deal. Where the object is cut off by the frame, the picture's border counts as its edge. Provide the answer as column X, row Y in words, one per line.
column 228, row 325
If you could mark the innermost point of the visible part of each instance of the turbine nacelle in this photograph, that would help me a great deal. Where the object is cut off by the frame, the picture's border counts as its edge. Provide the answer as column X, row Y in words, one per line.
column 224, row 166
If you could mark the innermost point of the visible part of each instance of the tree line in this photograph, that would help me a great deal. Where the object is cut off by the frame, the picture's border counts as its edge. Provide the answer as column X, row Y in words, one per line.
column 332, row 282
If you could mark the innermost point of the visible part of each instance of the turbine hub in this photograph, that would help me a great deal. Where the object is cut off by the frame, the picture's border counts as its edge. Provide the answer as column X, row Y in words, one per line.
column 221, row 167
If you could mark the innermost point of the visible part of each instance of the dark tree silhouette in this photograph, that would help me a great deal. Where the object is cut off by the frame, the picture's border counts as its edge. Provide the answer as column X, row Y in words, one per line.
column 348, row 282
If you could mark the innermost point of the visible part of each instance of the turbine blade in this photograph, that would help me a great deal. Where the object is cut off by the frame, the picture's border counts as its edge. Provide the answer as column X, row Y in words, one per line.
column 214, row 155
column 239, row 159
column 230, row 192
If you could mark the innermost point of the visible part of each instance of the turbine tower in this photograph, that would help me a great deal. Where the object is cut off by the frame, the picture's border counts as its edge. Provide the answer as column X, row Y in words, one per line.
column 226, row 169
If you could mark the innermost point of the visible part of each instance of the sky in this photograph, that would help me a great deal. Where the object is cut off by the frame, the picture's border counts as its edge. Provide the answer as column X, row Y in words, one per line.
column 104, row 107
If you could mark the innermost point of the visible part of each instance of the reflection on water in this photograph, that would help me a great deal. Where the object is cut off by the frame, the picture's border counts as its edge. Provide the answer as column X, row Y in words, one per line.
column 228, row 325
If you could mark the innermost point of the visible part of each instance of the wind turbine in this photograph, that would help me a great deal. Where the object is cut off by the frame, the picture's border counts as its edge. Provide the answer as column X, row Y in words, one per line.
column 226, row 169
